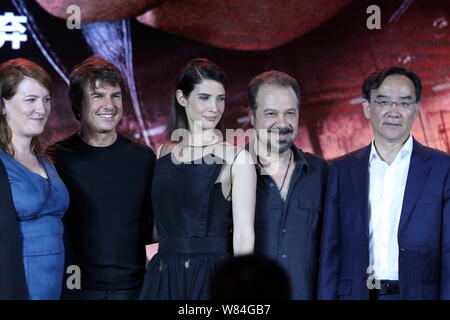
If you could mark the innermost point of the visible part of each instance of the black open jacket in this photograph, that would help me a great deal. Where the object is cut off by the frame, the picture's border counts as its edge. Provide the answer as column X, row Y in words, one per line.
column 12, row 275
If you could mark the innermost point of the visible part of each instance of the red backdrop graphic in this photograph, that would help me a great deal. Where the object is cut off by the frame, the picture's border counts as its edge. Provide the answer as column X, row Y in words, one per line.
column 325, row 45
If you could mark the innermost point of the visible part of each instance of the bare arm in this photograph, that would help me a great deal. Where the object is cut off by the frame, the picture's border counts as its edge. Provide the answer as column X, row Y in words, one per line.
column 243, row 176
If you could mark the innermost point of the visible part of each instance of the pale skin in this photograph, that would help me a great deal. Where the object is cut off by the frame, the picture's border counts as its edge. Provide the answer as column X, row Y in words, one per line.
column 392, row 125
column 204, row 108
column 101, row 112
column 26, row 115
column 277, row 108
column 244, row 197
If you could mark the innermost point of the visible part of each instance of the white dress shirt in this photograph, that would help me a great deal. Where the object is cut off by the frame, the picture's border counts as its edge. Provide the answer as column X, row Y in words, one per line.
column 386, row 189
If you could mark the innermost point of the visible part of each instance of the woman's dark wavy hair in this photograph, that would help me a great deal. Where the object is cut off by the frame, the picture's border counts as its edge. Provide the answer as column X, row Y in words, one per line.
column 193, row 73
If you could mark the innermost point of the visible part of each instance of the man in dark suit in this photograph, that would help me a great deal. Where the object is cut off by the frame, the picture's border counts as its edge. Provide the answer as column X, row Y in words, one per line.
column 386, row 228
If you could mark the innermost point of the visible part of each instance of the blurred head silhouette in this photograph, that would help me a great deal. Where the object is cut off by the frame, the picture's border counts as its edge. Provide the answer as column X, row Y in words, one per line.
column 250, row 277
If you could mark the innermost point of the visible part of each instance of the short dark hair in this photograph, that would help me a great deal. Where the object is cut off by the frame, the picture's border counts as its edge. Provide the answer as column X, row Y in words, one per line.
column 193, row 73
column 376, row 79
column 85, row 76
column 273, row 77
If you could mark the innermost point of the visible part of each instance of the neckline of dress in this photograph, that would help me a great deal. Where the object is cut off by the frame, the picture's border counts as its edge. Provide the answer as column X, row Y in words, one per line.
column 21, row 165
column 190, row 162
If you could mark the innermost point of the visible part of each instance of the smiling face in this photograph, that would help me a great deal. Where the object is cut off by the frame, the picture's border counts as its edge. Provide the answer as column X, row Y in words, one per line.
column 276, row 117
column 102, row 107
column 28, row 110
column 205, row 104
column 393, row 123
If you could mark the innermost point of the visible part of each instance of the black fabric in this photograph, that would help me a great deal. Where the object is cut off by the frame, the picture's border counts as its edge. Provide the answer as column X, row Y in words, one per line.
column 386, row 287
column 12, row 274
column 193, row 221
column 109, row 220
column 289, row 231
column 102, row 295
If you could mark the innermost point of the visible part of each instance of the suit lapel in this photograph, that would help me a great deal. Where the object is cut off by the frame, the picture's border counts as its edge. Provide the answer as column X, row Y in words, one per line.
column 419, row 170
column 360, row 177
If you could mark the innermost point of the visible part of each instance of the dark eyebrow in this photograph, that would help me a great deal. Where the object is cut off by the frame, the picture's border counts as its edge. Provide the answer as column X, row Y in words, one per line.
column 386, row 97
column 31, row 96
column 96, row 93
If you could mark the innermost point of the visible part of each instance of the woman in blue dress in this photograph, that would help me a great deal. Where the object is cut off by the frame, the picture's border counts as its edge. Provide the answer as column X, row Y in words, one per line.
column 40, row 198
column 203, row 191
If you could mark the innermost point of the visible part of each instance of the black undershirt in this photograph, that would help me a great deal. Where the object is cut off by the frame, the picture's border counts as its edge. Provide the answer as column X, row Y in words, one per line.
column 109, row 220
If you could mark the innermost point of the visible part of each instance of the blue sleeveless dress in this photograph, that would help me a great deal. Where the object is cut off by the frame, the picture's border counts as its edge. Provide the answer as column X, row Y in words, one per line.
column 193, row 221
column 40, row 204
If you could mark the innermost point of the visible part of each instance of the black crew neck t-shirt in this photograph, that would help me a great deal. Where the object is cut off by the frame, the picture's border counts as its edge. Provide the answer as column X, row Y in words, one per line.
column 109, row 220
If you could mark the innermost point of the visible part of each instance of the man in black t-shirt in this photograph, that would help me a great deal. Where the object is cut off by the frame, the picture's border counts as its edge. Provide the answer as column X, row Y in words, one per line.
column 109, row 220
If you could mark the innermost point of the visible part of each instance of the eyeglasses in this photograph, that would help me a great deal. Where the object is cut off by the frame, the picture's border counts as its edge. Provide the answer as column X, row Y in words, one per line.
column 384, row 104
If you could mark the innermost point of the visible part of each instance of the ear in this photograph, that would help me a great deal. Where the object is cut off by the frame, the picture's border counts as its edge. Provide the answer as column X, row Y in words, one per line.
column 4, row 103
column 180, row 98
column 417, row 111
column 366, row 108
column 251, row 116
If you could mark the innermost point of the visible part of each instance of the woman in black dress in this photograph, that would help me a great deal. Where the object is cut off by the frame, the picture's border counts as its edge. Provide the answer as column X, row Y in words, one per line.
column 194, row 181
